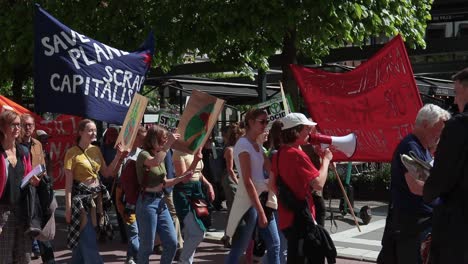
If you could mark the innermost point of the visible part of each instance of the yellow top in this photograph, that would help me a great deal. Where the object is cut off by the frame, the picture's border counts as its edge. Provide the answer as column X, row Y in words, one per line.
column 187, row 159
column 81, row 167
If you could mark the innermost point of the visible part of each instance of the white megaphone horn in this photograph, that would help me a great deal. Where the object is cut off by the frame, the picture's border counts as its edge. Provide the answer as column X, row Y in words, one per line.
column 345, row 144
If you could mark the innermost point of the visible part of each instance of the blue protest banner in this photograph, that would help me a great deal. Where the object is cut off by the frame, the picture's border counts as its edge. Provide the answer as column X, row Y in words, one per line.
column 77, row 75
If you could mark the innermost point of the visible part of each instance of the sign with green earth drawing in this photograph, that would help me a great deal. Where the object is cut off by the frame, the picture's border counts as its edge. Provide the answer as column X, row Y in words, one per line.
column 132, row 120
column 168, row 121
column 197, row 121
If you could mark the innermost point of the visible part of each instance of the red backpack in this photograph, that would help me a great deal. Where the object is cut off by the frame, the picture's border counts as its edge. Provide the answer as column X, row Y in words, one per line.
column 129, row 182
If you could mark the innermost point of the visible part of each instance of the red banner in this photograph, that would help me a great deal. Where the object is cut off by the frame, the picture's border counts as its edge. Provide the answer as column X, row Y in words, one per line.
column 378, row 101
column 62, row 135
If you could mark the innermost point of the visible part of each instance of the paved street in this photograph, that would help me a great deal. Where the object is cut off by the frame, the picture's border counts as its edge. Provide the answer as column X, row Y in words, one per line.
column 353, row 246
column 350, row 243
column 114, row 251
column 364, row 245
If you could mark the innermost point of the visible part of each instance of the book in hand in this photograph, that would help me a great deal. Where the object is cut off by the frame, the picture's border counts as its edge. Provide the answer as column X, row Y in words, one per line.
column 417, row 167
column 37, row 171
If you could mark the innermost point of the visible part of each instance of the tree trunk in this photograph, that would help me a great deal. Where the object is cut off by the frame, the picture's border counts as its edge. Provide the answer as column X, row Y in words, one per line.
column 19, row 77
column 288, row 57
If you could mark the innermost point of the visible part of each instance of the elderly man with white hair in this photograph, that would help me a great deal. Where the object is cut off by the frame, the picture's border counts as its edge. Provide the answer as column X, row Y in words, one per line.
column 409, row 217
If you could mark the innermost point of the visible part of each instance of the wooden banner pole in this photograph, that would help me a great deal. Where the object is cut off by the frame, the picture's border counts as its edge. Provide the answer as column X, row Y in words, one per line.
column 345, row 196
column 285, row 101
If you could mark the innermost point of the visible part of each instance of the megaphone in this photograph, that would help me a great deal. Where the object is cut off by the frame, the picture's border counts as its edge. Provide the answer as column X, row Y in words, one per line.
column 345, row 144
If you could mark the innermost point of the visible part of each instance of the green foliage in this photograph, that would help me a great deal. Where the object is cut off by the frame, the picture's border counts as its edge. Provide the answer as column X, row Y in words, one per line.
column 370, row 184
column 5, row 89
column 241, row 33
column 245, row 33
column 152, row 95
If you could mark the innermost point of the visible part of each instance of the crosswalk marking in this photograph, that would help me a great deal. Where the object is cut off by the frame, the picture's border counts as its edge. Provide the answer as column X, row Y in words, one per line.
column 350, row 236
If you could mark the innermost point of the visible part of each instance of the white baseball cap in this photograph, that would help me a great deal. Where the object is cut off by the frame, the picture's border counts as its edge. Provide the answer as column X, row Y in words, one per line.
column 295, row 119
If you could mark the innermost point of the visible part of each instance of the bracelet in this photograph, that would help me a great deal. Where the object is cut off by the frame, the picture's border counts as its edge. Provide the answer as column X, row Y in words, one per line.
column 179, row 179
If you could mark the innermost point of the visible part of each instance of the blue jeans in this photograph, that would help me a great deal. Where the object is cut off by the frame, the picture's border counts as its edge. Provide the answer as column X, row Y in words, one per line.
column 193, row 236
column 244, row 235
column 87, row 252
column 153, row 216
column 283, row 242
column 35, row 246
column 133, row 240
column 47, row 252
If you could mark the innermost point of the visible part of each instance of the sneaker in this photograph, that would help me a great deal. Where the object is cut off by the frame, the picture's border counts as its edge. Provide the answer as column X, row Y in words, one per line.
column 35, row 255
column 130, row 261
column 226, row 241
column 177, row 254
column 158, row 249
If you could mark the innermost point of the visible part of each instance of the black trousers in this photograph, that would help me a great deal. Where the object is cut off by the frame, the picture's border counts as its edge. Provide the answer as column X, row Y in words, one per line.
column 296, row 254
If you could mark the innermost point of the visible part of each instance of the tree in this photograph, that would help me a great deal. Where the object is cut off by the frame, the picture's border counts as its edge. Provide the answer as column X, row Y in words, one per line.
column 121, row 24
column 245, row 33
column 239, row 33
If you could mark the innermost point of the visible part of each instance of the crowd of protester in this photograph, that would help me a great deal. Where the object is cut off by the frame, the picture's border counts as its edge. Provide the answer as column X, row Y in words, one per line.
column 269, row 176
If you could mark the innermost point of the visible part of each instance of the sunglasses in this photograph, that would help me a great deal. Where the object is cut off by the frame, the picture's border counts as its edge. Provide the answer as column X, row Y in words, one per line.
column 15, row 125
column 262, row 121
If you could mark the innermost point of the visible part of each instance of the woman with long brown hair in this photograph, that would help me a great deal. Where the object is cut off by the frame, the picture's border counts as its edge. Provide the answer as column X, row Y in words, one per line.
column 15, row 241
column 151, row 211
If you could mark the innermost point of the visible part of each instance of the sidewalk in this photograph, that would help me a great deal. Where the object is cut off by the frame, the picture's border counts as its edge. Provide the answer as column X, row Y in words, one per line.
column 114, row 252
column 350, row 243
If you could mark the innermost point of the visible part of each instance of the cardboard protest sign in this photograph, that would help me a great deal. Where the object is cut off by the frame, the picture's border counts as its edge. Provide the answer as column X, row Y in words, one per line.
column 275, row 108
column 133, row 118
column 168, row 121
column 197, row 121
column 74, row 74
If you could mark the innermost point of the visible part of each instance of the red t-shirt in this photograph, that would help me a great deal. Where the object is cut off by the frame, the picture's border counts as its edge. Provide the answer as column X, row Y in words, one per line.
column 296, row 171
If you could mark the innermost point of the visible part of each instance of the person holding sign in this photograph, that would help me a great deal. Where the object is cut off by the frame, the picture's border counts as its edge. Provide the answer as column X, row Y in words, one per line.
column 15, row 163
column 190, row 202
column 86, row 198
column 151, row 211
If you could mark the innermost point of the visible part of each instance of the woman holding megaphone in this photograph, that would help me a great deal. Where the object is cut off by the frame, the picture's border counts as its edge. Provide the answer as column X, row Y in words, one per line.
column 295, row 175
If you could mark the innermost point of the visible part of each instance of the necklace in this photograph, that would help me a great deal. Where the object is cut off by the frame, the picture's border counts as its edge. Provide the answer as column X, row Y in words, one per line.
column 11, row 156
